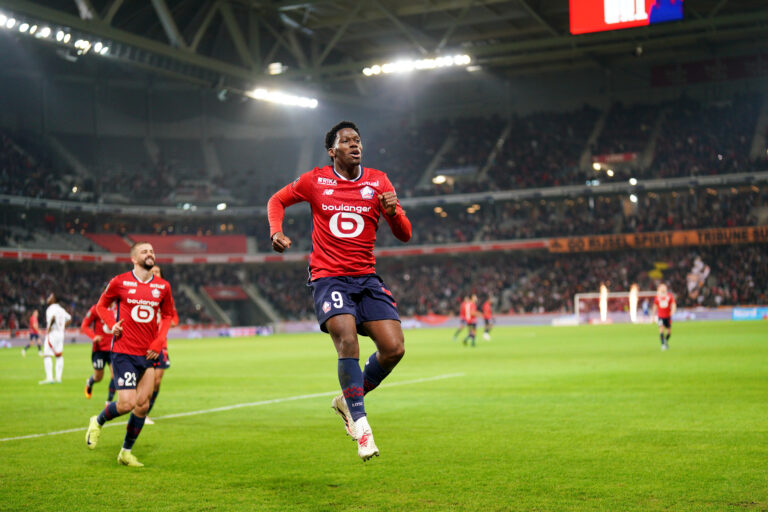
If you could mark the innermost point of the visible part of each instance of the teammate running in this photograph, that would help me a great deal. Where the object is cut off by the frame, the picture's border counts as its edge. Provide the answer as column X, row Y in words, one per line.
column 469, row 314
column 56, row 318
column 462, row 322
column 664, row 307
column 162, row 362
column 93, row 327
column 487, row 318
column 34, row 334
column 347, row 201
column 138, row 340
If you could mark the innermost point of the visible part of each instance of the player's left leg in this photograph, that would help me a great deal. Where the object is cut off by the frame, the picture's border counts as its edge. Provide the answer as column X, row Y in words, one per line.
column 343, row 331
column 159, row 372
column 59, row 367
column 136, row 420
column 390, row 348
column 48, row 366
column 98, row 374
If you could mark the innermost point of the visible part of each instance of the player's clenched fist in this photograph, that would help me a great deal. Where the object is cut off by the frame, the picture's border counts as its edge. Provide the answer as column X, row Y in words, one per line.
column 388, row 202
column 280, row 242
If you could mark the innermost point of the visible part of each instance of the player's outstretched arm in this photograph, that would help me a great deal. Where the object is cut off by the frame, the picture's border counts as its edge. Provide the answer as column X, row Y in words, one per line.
column 276, row 206
column 85, row 327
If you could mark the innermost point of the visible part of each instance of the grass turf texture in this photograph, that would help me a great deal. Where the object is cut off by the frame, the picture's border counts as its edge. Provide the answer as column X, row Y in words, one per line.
column 571, row 418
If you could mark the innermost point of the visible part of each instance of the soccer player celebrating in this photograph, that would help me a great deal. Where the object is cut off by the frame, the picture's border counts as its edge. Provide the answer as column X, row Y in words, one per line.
column 487, row 318
column 138, row 340
column 469, row 314
column 34, row 334
column 664, row 307
column 347, row 201
column 93, row 327
column 56, row 318
column 162, row 362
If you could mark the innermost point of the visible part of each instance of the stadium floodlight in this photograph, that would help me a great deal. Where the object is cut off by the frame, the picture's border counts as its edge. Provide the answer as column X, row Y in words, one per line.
column 44, row 32
column 596, row 166
column 221, row 206
column 610, row 173
column 275, row 68
column 3, row 19
column 60, row 35
column 97, row 47
column 282, row 98
column 10, row 23
column 408, row 65
column 32, row 29
column 633, row 198
column 439, row 179
column 633, row 181
column 104, row 50
column 23, row 27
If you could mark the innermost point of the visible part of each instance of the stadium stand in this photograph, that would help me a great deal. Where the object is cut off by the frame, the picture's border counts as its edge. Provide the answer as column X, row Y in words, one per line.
column 544, row 149
column 524, row 282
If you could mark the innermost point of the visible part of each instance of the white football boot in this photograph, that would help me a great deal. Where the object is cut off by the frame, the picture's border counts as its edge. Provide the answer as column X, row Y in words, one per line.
column 366, row 447
column 339, row 405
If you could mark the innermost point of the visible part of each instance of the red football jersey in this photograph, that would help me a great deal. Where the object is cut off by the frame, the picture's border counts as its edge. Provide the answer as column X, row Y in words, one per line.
column 139, row 304
column 664, row 305
column 93, row 326
column 487, row 313
column 34, row 325
column 469, row 311
column 345, row 217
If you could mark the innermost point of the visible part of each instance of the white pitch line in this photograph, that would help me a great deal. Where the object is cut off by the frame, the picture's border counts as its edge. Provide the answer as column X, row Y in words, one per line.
column 235, row 406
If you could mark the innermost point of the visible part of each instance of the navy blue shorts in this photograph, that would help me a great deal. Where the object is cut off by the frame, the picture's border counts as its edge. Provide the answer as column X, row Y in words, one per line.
column 129, row 369
column 100, row 359
column 665, row 322
column 365, row 297
column 163, row 362
column 34, row 336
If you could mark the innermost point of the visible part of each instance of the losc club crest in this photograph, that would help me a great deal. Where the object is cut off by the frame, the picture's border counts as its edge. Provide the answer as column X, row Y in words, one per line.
column 326, row 306
column 155, row 293
column 367, row 192
column 120, row 381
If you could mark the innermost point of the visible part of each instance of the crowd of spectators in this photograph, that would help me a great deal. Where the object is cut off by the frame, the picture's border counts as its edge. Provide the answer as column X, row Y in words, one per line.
column 698, row 139
column 541, row 150
column 690, row 208
column 609, row 214
column 519, row 282
column 627, row 129
column 537, row 281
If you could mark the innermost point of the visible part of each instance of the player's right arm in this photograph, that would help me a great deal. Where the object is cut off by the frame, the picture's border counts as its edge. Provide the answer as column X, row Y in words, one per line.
column 290, row 194
column 85, row 326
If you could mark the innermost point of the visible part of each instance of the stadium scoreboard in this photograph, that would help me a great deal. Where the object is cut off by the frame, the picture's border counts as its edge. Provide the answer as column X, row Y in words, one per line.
column 601, row 15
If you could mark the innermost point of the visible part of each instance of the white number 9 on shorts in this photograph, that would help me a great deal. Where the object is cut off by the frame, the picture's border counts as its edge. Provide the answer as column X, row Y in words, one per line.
column 142, row 313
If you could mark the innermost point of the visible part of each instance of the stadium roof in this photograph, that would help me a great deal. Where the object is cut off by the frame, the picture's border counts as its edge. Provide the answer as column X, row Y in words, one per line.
column 326, row 44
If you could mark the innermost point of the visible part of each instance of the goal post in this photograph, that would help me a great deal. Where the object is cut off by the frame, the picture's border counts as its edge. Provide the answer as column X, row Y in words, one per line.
column 605, row 307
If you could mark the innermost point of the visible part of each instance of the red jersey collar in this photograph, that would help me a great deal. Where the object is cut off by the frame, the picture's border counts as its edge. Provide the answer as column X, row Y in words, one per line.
column 362, row 171
column 152, row 276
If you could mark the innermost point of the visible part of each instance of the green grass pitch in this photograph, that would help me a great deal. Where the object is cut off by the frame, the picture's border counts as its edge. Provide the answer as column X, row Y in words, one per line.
column 544, row 419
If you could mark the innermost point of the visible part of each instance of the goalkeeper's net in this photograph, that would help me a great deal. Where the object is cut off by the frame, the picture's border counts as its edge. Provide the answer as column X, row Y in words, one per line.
column 610, row 307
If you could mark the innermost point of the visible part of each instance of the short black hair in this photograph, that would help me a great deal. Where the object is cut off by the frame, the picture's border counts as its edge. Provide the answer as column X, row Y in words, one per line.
column 330, row 137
